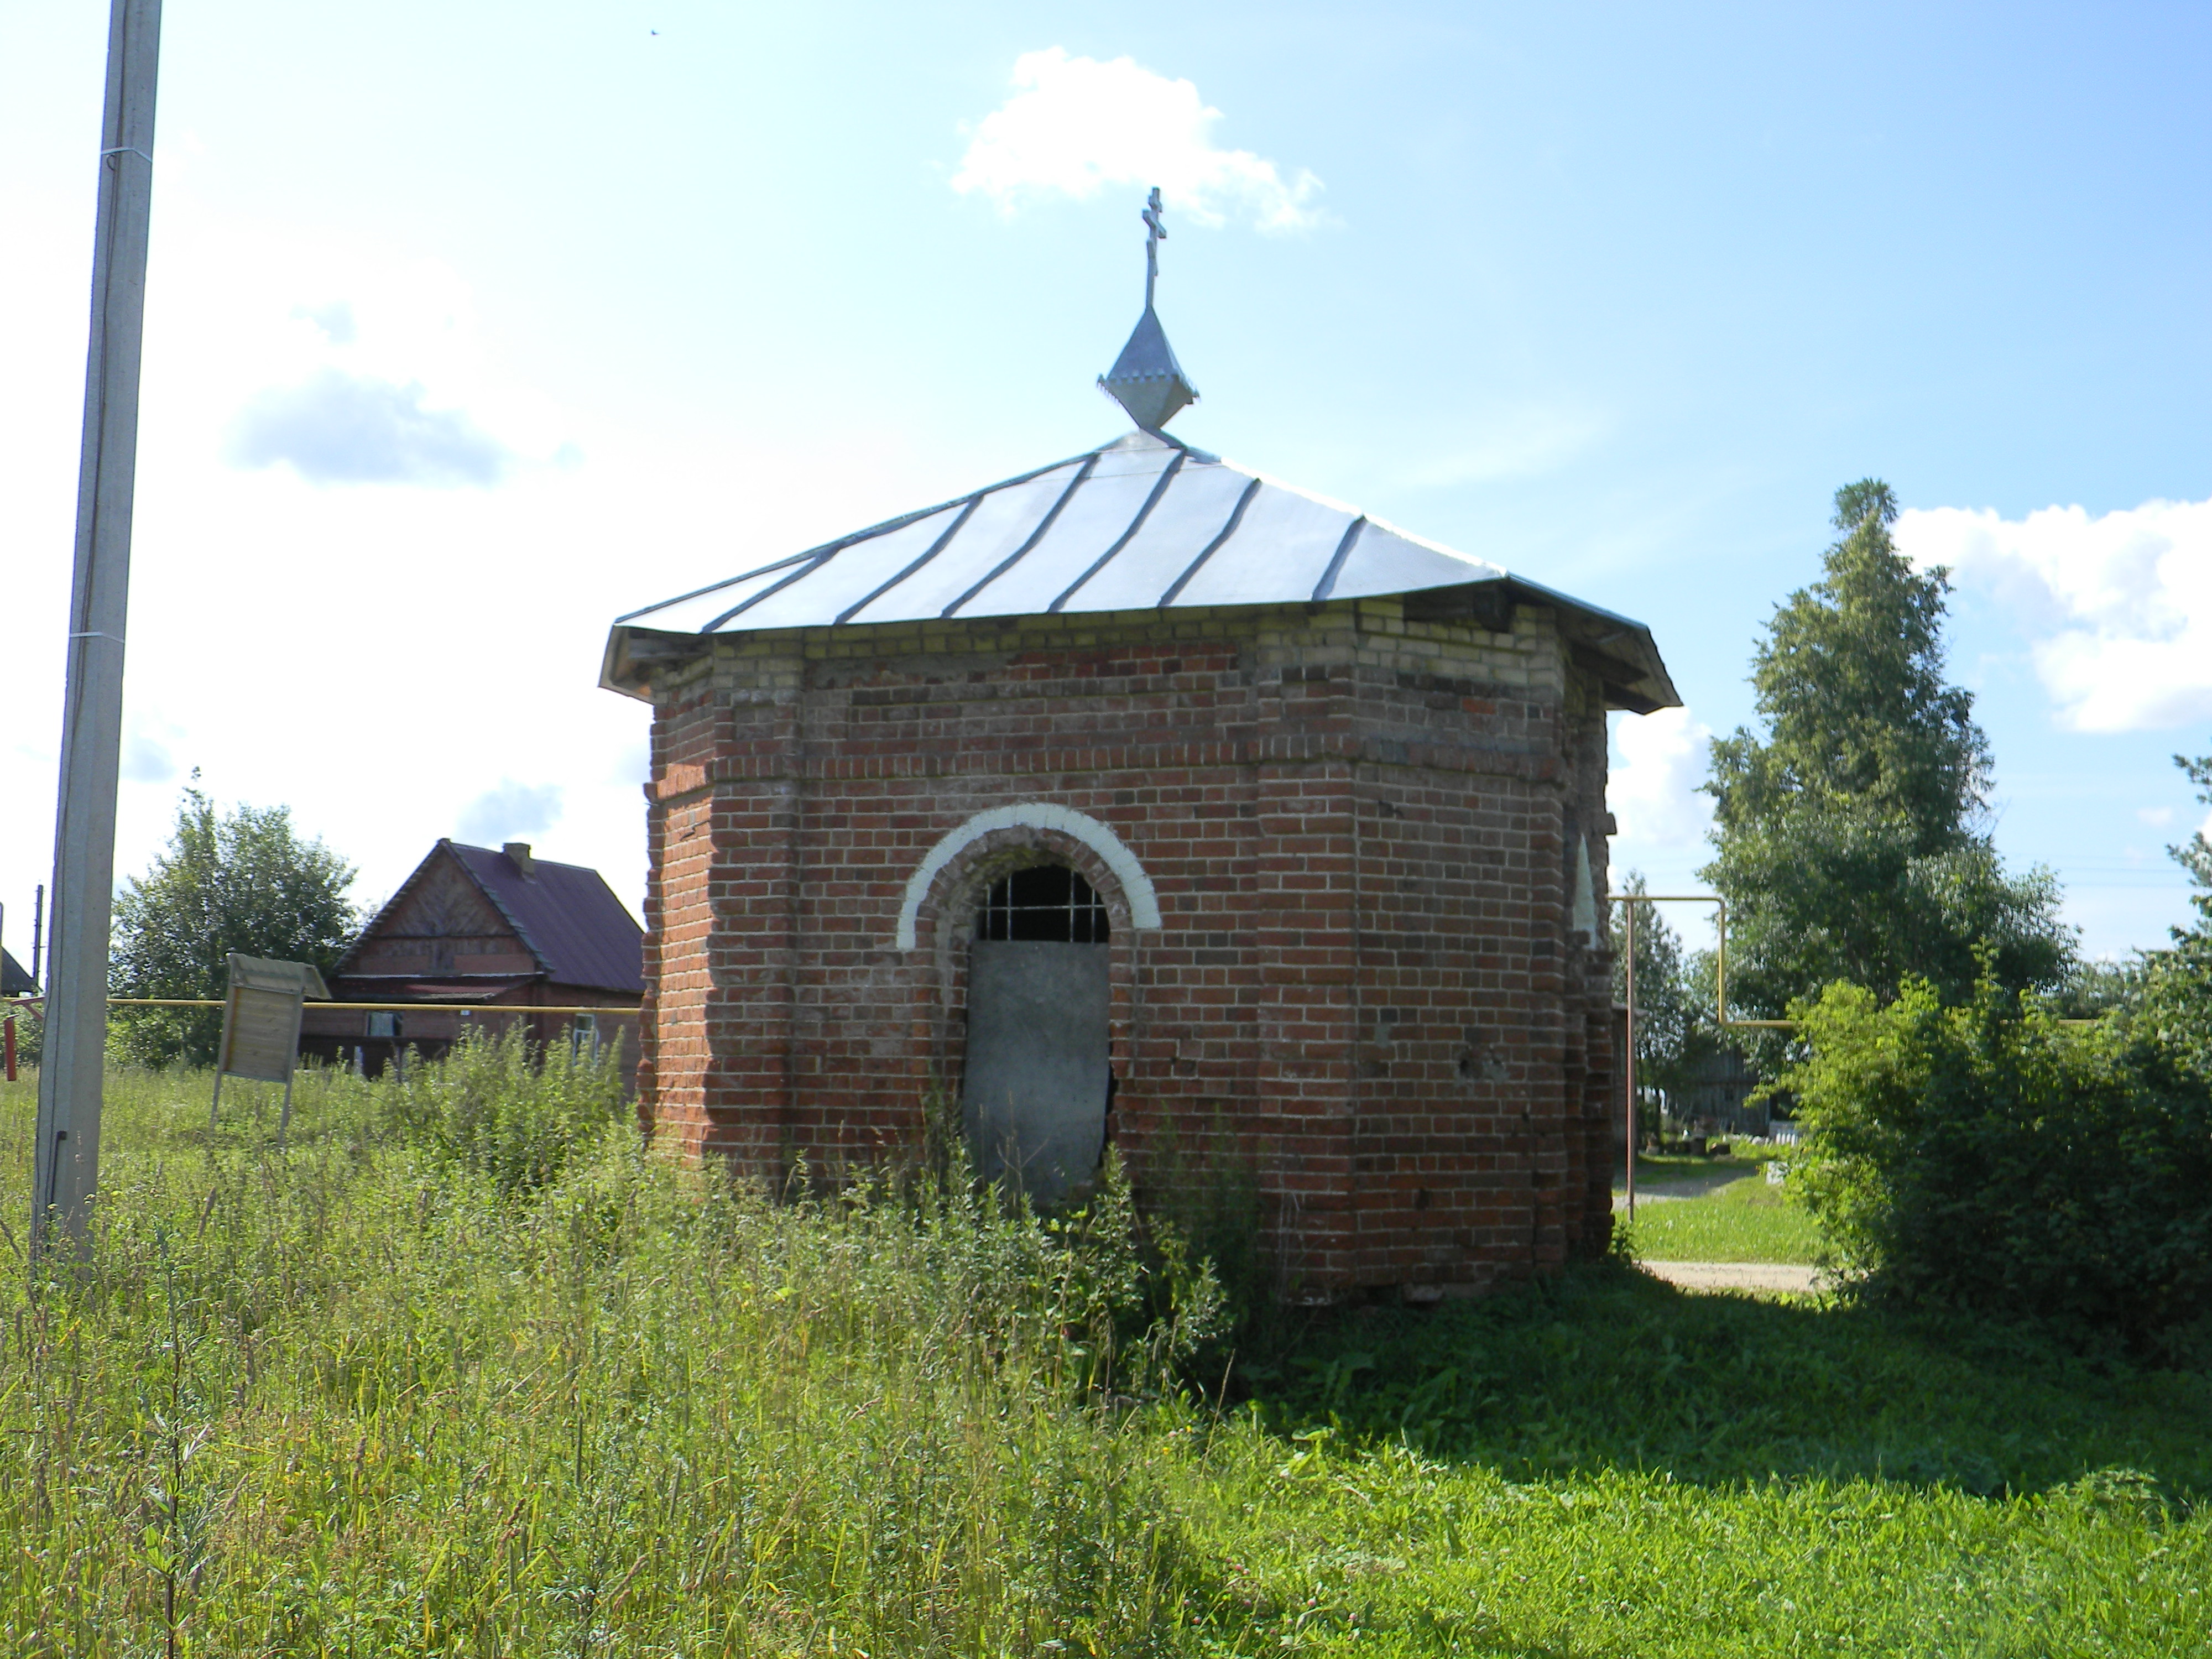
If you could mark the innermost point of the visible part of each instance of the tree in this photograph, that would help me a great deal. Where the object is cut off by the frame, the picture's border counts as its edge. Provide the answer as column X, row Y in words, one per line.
column 1674, row 1025
column 240, row 881
column 1851, row 837
column 2195, row 855
column 2173, row 996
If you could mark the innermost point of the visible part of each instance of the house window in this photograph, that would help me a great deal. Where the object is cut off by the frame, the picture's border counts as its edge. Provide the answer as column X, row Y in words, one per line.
column 383, row 1025
column 584, row 1037
column 1047, row 902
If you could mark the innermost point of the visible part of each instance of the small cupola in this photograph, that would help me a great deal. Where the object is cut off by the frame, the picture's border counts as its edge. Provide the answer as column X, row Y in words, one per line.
column 1146, row 379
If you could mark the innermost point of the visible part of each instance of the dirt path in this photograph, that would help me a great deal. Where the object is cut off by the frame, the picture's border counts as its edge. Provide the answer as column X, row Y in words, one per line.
column 1735, row 1275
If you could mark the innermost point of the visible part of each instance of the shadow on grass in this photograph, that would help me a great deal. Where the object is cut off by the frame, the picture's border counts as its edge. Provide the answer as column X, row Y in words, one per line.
column 1604, row 1367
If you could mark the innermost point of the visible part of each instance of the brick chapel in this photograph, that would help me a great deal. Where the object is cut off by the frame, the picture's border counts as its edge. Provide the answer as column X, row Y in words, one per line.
column 1143, row 797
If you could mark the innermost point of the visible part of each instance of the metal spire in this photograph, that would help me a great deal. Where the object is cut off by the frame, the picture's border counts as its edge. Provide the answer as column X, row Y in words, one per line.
column 1146, row 379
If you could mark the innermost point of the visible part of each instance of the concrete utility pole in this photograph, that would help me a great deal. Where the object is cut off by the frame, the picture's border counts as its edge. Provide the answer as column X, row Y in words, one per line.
column 66, row 1170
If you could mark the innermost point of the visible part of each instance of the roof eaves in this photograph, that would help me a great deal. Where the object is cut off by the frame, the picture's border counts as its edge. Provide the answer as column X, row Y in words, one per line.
column 1647, row 687
column 1619, row 650
column 632, row 654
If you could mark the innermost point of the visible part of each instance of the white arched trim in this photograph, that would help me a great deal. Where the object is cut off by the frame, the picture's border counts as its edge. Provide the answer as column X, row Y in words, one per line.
column 1136, row 885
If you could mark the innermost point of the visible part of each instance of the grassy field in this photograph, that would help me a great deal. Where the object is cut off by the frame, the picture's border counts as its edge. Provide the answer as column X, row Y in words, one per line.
column 1745, row 1220
column 464, row 1373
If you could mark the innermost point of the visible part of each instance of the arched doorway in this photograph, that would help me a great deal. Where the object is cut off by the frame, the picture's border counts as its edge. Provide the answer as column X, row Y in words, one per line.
column 1035, row 1084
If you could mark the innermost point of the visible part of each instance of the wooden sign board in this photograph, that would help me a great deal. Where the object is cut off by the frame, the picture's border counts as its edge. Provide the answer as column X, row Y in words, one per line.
column 261, row 1025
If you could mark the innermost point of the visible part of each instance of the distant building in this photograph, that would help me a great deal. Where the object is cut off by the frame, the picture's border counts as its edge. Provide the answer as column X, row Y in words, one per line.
column 1715, row 1097
column 14, row 982
column 475, row 938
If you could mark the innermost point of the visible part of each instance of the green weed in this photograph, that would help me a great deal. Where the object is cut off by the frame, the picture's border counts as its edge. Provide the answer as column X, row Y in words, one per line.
column 469, row 1371
column 458, row 1375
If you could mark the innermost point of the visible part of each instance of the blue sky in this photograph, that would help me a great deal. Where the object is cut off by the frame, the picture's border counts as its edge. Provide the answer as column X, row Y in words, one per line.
column 470, row 327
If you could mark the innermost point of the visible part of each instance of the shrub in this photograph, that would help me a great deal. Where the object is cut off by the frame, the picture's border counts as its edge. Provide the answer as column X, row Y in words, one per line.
column 1987, row 1159
column 503, row 1108
column 2172, row 1003
column 1203, row 1209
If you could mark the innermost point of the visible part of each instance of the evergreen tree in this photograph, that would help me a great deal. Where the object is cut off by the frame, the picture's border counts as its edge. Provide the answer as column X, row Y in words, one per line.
column 1851, row 839
column 238, row 881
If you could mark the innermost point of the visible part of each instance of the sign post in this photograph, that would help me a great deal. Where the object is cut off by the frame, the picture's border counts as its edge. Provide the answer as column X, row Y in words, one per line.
column 261, row 1026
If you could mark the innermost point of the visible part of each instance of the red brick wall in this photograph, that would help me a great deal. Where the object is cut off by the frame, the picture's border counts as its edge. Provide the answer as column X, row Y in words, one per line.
column 1359, row 832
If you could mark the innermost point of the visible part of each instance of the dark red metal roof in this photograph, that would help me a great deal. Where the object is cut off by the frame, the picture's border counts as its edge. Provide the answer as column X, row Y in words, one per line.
column 568, row 916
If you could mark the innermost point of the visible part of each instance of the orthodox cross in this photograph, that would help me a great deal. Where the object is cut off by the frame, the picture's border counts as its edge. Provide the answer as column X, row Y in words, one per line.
column 1154, row 235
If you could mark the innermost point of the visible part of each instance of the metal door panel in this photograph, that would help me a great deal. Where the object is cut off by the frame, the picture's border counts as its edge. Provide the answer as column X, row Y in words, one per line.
column 1034, row 1093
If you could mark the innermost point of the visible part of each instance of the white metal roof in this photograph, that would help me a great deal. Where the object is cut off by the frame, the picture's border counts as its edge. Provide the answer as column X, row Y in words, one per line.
column 1142, row 523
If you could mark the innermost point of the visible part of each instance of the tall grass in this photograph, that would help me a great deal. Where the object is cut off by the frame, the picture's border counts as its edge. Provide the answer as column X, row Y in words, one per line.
column 468, row 1370
column 1745, row 1220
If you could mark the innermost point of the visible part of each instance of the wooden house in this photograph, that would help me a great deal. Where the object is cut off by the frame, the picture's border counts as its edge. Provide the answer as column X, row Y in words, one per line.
column 475, row 938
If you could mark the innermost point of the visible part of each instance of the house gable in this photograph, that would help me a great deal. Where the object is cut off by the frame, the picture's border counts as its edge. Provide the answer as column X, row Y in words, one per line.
column 440, row 926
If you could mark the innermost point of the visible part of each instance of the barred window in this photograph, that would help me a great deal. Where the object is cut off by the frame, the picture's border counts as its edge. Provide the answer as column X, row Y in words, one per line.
column 1045, row 902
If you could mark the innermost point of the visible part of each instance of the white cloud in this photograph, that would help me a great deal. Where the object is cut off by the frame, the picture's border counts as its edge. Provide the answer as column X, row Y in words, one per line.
column 2118, row 608
column 335, row 318
column 146, row 759
column 2157, row 817
column 1076, row 126
column 509, row 810
column 336, row 427
column 1659, row 760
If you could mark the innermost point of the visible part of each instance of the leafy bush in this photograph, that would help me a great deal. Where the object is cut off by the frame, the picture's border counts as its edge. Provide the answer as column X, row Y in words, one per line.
column 501, row 1107
column 1986, row 1158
